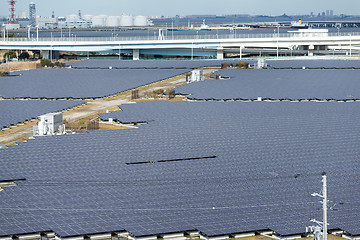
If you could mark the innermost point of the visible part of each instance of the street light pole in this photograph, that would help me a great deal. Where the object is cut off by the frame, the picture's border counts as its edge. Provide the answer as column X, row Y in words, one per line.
column 324, row 206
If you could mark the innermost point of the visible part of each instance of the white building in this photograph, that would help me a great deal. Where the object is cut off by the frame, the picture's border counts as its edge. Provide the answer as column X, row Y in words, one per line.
column 197, row 75
column 46, row 23
column 50, row 124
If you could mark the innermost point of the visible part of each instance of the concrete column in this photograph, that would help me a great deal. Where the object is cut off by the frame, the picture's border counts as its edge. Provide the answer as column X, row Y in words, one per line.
column 47, row 54
column 220, row 53
column 311, row 50
column 136, row 54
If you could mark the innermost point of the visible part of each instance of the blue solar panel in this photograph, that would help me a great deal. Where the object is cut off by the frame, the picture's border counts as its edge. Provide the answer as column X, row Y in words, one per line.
column 277, row 84
column 314, row 63
column 151, row 64
column 81, row 183
column 71, row 83
column 17, row 111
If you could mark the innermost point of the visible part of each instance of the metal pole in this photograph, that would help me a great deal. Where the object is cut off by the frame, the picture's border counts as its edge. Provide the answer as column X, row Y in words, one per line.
column 192, row 51
column 324, row 206
column 350, row 45
column 277, row 44
column 240, row 52
column 119, row 53
column 37, row 33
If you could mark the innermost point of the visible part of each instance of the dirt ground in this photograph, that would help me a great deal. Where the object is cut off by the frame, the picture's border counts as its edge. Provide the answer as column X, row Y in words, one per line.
column 17, row 66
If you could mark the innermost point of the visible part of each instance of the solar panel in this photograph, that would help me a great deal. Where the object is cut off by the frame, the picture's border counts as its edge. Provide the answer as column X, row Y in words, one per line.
column 81, row 184
column 17, row 111
column 313, row 63
column 277, row 84
column 150, row 64
column 71, row 83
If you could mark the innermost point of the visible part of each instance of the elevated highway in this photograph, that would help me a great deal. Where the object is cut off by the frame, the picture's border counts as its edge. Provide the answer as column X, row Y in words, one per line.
column 194, row 46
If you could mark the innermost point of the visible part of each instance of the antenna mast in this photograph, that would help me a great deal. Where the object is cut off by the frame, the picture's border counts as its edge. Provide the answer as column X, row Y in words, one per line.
column 12, row 17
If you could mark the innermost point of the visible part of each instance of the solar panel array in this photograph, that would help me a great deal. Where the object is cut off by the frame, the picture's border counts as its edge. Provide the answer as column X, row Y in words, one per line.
column 16, row 111
column 261, row 178
column 278, row 84
column 71, row 83
column 150, row 64
column 314, row 63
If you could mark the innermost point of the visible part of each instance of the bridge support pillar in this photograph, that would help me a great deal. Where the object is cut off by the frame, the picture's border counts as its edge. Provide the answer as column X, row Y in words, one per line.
column 220, row 53
column 136, row 54
column 311, row 50
column 47, row 54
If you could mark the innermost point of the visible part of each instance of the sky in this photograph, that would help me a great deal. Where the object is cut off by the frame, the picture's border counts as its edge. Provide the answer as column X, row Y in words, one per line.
column 183, row 7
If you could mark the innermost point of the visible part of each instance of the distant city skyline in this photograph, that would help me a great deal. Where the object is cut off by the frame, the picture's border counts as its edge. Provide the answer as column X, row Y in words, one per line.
column 183, row 7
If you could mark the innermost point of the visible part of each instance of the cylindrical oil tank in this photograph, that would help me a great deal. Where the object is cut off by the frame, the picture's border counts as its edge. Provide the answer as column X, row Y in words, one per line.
column 112, row 21
column 140, row 21
column 126, row 21
column 72, row 17
column 87, row 17
column 98, row 21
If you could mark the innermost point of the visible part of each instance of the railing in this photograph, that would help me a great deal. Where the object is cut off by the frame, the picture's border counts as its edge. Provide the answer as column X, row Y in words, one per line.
column 175, row 37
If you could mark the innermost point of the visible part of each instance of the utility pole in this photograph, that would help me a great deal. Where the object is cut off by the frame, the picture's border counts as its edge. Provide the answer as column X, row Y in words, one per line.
column 321, row 225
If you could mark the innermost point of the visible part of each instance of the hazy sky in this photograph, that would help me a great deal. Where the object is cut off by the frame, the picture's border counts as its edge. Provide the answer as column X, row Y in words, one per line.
column 184, row 7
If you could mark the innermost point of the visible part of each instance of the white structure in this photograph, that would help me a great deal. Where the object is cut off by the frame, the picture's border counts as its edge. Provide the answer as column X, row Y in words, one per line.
column 46, row 23
column 261, row 63
column 197, row 75
column 99, row 21
column 126, row 21
column 140, row 21
column 310, row 33
column 12, row 26
column 87, row 17
column 112, row 21
column 77, row 23
column 50, row 124
column 72, row 17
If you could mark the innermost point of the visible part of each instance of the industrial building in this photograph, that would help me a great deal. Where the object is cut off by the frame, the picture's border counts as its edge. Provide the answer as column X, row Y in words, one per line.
column 32, row 13
column 120, row 21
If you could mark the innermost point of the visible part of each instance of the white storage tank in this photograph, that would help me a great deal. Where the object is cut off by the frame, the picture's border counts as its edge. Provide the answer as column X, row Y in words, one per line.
column 72, row 17
column 126, row 21
column 140, row 21
column 112, row 21
column 87, row 17
column 98, row 21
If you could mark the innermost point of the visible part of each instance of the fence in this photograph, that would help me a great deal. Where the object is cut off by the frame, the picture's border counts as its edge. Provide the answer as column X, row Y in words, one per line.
column 175, row 37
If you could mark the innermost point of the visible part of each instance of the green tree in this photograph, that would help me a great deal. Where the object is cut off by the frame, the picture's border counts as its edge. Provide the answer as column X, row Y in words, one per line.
column 243, row 65
column 24, row 55
column 9, row 54
column 46, row 63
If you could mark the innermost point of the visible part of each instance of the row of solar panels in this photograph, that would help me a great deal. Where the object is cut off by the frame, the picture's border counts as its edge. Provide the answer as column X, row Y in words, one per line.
column 149, row 64
column 269, row 157
column 277, row 84
column 339, row 64
column 79, row 84
column 14, row 112
column 154, row 64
